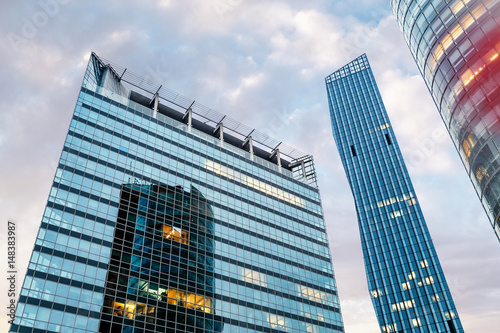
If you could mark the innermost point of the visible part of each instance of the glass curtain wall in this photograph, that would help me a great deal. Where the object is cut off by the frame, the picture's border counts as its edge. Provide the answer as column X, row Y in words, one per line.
column 155, row 225
column 456, row 45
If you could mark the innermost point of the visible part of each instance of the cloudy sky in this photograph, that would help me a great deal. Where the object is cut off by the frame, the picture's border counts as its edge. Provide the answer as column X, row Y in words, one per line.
column 262, row 63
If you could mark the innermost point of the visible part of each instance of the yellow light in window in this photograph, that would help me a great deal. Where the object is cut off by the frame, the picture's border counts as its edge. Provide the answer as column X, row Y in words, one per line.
column 481, row 172
column 396, row 214
column 406, row 286
column 175, row 234
column 415, row 322
column 458, row 6
column 424, row 263
column 429, row 280
column 457, row 31
column 412, row 275
column 118, row 309
column 449, row 315
column 494, row 57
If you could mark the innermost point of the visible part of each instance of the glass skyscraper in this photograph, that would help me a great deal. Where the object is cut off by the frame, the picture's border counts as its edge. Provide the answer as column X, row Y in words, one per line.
column 165, row 216
column 456, row 46
column 405, row 280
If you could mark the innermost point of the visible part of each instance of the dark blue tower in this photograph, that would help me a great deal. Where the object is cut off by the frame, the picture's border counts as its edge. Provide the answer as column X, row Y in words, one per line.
column 407, row 285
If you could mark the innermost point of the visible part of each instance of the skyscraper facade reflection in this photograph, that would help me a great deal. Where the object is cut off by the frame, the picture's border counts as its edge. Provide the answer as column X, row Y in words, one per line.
column 405, row 280
column 456, row 45
column 165, row 216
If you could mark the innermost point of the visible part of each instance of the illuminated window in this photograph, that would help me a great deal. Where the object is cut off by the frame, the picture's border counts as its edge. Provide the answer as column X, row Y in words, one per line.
column 401, row 306
column 449, row 315
column 175, row 297
column 416, row 322
column 176, row 234
column 412, row 276
column 468, row 144
column 480, row 173
column 383, row 127
column 406, row 286
column 429, row 280
column 388, row 139
column 424, row 263
column 436, row 298
column 393, row 200
column 131, row 309
column 390, row 328
column 396, row 214
column 188, row 300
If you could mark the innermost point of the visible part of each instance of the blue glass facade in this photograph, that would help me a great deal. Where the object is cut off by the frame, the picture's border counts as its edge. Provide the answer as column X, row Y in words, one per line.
column 158, row 225
column 456, row 44
column 405, row 280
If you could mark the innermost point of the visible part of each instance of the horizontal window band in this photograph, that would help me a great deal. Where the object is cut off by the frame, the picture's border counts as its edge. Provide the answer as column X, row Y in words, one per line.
column 69, row 256
column 59, row 306
column 164, row 280
column 276, row 292
column 75, row 234
column 217, row 319
column 271, row 273
column 271, row 256
column 63, row 280
column 89, row 175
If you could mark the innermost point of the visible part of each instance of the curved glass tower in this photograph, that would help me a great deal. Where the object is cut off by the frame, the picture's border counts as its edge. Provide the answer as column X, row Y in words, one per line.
column 407, row 285
column 456, row 45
